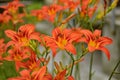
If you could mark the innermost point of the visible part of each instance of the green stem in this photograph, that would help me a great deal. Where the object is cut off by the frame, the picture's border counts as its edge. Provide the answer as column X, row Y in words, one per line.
column 84, row 53
column 72, row 62
column 72, row 67
column 53, row 67
column 91, row 27
column 90, row 69
column 14, row 27
column 114, row 70
column 46, row 53
column 77, row 74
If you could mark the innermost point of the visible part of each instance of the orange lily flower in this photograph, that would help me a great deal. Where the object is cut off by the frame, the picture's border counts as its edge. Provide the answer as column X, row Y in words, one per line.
column 36, row 75
column 47, row 12
column 69, row 4
column 39, row 14
column 17, row 18
column 76, row 34
column 51, row 11
column 91, row 11
column 18, row 55
column 96, row 42
column 85, row 4
column 13, row 6
column 70, row 78
column 23, row 36
column 72, row 4
column 86, row 10
column 61, row 76
column 41, row 74
column 4, row 18
column 32, row 63
column 60, row 39
column 13, row 10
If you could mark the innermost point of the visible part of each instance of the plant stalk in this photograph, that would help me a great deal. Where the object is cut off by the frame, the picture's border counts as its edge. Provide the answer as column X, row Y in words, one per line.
column 72, row 62
column 114, row 70
column 90, row 69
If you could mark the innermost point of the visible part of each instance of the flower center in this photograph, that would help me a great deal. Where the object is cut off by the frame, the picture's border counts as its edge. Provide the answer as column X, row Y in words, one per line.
column 17, row 57
column 61, row 42
column 32, row 65
column 93, row 43
column 25, row 41
column 40, row 17
column 12, row 10
column 51, row 11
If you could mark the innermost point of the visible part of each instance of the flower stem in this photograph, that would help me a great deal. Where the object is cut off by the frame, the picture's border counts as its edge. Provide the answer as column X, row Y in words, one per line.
column 46, row 53
column 72, row 62
column 84, row 53
column 90, row 69
column 114, row 70
column 67, row 19
column 14, row 26
column 72, row 67
column 77, row 74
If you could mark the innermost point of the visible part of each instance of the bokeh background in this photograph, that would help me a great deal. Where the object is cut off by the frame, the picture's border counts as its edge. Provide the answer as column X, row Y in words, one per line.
column 101, row 66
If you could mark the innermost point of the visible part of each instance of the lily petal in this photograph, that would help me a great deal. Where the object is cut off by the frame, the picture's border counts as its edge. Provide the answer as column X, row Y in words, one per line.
column 105, row 50
column 70, row 78
column 11, row 34
column 70, row 48
column 97, row 33
column 105, row 41
column 40, row 74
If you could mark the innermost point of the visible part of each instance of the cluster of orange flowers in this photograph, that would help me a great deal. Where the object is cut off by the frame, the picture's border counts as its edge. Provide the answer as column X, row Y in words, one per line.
column 11, row 13
column 25, row 56
column 49, row 12
column 23, row 45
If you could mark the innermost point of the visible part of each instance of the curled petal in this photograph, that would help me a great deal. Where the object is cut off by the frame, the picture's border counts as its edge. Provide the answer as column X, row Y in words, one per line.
column 70, row 78
column 105, row 50
column 11, row 34
column 35, row 36
column 97, row 33
column 27, row 29
column 9, row 44
column 40, row 74
column 60, row 76
column 105, row 41
column 70, row 48
column 88, row 34
column 54, row 51
column 56, row 32
column 25, row 73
